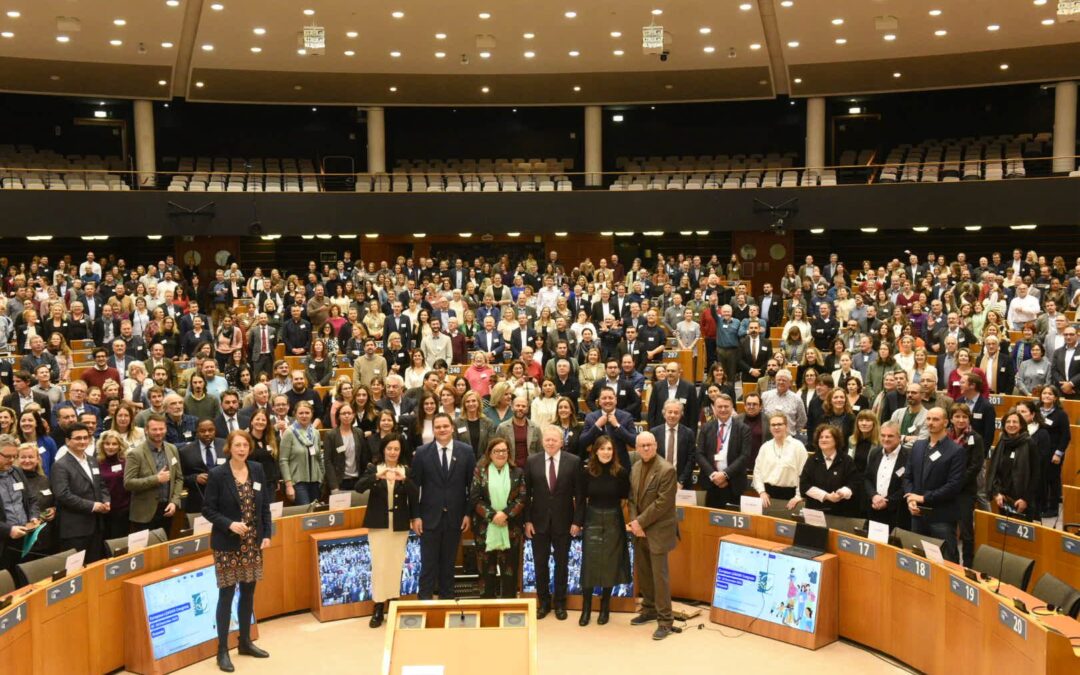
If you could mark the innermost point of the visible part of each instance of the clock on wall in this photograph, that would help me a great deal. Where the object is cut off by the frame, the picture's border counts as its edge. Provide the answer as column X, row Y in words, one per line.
column 192, row 258
column 222, row 258
column 778, row 251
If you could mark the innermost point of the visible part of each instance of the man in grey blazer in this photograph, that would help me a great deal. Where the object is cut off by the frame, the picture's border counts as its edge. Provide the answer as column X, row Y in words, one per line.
column 520, row 422
column 261, row 342
column 81, row 496
column 154, row 477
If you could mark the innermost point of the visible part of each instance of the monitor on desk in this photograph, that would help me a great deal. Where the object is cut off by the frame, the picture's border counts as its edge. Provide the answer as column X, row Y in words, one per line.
column 345, row 570
column 528, row 575
column 767, row 585
column 181, row 611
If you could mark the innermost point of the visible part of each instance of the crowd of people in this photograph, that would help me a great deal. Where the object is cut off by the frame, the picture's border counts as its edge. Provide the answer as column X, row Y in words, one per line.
column 521, row 398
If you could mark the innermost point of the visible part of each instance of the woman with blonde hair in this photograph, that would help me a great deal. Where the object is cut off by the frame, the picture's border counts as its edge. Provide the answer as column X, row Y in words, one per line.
column 498, row 408
column 111, row 456
column 123, row 423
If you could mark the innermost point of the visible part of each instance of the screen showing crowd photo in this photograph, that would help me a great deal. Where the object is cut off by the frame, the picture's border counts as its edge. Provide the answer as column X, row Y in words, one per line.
column 345, row 570
column 767, row 585
column 528, row 572
column 181, row 611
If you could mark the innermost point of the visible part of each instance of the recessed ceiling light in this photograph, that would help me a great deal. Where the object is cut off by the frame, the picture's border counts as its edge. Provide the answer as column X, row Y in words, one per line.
column 200, row 85
column 973, row 228
column 63, row 38
column 577, row 87
column 116, row 43
column 393, row 89
column 172, row 3
column 941, row 33
column 395, row 54
column 119, row 22
column 256, row 50
column 1040, row 3
column 14, row 14
column 888, row 37
column 529, row 55
column 259, row 31
column 793, row 44
column 838, row 22
column 485, row 55
column 1004, row 66
column 528, row 36
column 1048, row 22
column 166, row 45
column 618, row 52
column 484, row 15
column 746, row 7
column 616, row 34
column 309, row 12
column 297, row 87
column 398, row 14
column 7, row 34
column 993, row 27
column 349, row 52
column 440, row 36
column 868, row 230
column 935, row 12
column 485, row 89
column 217, row 6
column 440, row 55
column 301, row 51
column 709, row 49
column 897, row 74
column 574, row 52
column 657, row 12
column 798, row 80
column 208, row 48
column 616, row 118
column 787, row 3
column 754, row 46
column 571, row 15
column 841, row 41
column 162, row 82
column 704, row 30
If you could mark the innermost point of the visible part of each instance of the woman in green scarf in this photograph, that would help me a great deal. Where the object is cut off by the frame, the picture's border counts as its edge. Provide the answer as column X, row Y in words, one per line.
column 497, row 499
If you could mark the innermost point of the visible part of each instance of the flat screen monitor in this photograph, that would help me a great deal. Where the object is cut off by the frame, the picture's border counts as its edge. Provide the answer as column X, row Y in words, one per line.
column 345, row 570
column 767, row 585
column 528, row 575
column 181, row 611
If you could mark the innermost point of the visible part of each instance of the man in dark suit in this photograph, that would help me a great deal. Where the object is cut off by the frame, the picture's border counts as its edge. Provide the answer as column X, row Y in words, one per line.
column 228, row 420
column 260, row 395
column 998, row 366
column 1065, row 365
column 626, row 398
column 395, row 401
column 672, row 388
column 196, row 460
column 398, row 323
column 261, row 341
column 983, row 414
column 723, row 454
column 23, row 395
column 554, row 512
column 81, row 497
column 772, row 307
column 934, row 478
column 632, row 345
column 522, row 336
column 612, row 422
column 883, row 480
column 754, row 352
column 675, row 441
column 490, row 341
column 443, row 470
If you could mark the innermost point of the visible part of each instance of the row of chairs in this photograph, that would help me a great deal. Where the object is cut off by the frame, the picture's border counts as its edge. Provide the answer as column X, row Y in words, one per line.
column 731, row 180
column 969, row 158
column 469, row 182
column 23, row 167
column 499, row 165
column 707, row 163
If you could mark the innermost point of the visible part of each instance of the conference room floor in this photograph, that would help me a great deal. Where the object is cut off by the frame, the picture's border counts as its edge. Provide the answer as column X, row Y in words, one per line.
column 300, row 644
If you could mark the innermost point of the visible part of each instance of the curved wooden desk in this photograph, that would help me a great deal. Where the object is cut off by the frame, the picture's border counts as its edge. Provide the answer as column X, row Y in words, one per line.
column 935, row 621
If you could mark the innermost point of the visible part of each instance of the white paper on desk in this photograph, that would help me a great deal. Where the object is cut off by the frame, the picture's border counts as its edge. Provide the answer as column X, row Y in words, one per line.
column 686, row 498
column 814, row 517
column 751, row 505
column 878, row 532
column 933, row 552
column 74, row 562
column 276, row 510
column 200, row 525
column 340, row 501
column 137, row 541
column 423, row 670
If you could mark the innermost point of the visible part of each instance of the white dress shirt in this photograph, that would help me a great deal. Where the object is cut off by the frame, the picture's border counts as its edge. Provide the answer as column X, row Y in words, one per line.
column 885, row 470
column 779, row 465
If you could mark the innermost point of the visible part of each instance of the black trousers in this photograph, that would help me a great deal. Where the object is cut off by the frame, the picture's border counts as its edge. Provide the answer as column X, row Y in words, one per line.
column 160, row 520
column 262, row 364
column 558, row 544
column 438, row 554
column 93, row 544
column 719, row 497
column 243, row 612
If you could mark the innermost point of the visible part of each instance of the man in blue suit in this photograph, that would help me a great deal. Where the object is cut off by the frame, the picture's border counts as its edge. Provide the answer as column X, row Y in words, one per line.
column 933, row 479
column 443, row 470
column 490, row 341
column 610, row 421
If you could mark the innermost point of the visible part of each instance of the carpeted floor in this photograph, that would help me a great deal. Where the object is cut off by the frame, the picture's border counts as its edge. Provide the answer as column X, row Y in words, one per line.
column 300, row 645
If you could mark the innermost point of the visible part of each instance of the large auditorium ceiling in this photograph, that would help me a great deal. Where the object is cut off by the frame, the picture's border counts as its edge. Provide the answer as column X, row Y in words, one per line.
column 520, row 52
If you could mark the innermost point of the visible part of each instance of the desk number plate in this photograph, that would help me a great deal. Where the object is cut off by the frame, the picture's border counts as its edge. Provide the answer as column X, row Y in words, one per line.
column 968, row 592
column 914, row 565
column 859, row 547
column 1012, row 621
column 1013, row 529
column 120, row 568
column 320, row 520
column 12, row 618
column 71, row 586
column 1070, row 546
column 734, row 521
column 786, row 530
column 183, row 548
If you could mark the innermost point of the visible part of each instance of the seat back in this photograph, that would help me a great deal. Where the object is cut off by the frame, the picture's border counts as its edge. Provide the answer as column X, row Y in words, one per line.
column 7, row 582
column 33, row 571
column 1054, row 591
column 297, row 510
column 1013, row 569
column 356, row 498
column 913, row 541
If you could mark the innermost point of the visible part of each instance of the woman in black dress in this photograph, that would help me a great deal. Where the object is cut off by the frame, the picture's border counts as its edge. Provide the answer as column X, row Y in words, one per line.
column 867, row 435
column 1010, row 477
column 828, row 478
column 605, row 561
column 1057, row 426
column 237, row 504
column 265, row 448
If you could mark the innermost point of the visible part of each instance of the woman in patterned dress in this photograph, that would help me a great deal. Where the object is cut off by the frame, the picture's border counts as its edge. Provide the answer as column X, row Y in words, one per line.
column 237, row 504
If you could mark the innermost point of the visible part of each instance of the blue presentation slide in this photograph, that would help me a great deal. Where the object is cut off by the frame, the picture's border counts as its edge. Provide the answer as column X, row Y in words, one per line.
column 181, row 611
column 767, row 585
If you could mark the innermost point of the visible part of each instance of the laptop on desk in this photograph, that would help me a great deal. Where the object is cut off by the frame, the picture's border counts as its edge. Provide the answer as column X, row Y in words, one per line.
column 809, row 542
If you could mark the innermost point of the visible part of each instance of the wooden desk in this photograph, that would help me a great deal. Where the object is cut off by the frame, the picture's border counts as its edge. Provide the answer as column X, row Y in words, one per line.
column 1050, row 549
column 1070, row 495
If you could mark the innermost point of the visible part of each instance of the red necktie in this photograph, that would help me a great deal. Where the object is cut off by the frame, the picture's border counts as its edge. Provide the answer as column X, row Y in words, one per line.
column 551, row 475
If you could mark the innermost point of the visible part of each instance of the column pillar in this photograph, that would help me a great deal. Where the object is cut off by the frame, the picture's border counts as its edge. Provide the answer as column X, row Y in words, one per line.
column 1064, row 127
column 145, row 159
column 594, row 157
column 376, row 140
column 815, row 133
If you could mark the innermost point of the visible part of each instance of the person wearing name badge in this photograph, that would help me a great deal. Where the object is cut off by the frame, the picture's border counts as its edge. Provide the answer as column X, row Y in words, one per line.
column 37, row 484
column 1057, row 425
column 1011, row 478
column 605, row 562
column 829, row 479
column 393, row 503
column 81, row 496
column 723, row 454
column 779, row 465
column 153, row 476
column 19, row 510
column 111, row 455
column 300, row 456
column 237, row 504
column 974, row 447
column 883, row 479
column 472, row 426
column 347, row 454
column 934, row 478
column 196, row 460
column 497, row 500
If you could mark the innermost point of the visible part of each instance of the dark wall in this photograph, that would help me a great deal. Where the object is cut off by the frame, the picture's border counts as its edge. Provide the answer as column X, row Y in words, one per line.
column 48, row 123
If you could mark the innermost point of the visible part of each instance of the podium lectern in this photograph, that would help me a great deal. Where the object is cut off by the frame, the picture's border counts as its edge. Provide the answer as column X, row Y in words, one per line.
column 460, row 637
